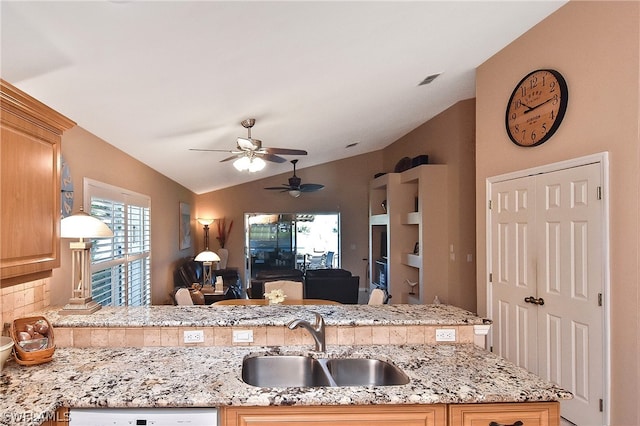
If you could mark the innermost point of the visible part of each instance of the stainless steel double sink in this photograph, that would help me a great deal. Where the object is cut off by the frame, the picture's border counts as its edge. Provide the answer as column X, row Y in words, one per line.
column 305, row 371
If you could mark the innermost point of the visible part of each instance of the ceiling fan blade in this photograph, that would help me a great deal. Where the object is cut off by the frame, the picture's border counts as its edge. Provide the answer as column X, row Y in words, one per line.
column 272, row 158
column 233, row 157
column 248, row 144
column 283, row 188
column 285, row 151
column 209, row 150
column 310, row 187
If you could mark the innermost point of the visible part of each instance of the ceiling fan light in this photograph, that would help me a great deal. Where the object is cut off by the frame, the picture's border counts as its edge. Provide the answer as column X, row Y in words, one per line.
column 242, row 164
column 294, row 193
column 253, row 165
column 256, row 164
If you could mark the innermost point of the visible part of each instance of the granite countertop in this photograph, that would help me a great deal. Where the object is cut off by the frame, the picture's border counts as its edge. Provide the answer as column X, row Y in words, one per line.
column 211, row 376
column 248, row 316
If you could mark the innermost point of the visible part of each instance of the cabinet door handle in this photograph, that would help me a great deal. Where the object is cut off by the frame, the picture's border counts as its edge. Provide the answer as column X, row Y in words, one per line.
column 518, row 423
column 531, row 299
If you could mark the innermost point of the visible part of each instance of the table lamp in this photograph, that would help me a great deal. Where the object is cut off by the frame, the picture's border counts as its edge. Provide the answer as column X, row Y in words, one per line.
column 82, row 225
column 207, row 257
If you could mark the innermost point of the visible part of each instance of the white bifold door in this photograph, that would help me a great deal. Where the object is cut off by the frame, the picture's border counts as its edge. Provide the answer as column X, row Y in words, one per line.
column 547, row 282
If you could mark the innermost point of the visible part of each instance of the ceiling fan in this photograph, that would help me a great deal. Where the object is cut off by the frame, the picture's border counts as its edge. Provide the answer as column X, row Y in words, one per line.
column 295, row 187
column 250, row 154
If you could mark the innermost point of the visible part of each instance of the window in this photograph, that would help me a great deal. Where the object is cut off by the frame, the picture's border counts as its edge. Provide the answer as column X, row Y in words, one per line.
column 120, row 266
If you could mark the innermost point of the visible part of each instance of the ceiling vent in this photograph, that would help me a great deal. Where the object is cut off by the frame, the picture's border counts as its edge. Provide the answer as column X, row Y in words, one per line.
column 429, row 79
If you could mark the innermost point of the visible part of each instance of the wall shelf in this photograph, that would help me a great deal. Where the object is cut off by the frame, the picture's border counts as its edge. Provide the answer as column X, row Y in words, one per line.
column 413, row 260
column 413, row 218
column 379, row 219
column 415, row 211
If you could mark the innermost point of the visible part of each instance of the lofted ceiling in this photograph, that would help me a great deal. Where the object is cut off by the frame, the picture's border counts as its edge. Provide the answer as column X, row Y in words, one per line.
column 157, row 78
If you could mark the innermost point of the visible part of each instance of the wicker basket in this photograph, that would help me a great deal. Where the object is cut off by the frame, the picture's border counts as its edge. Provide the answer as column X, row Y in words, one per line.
column 41, row 356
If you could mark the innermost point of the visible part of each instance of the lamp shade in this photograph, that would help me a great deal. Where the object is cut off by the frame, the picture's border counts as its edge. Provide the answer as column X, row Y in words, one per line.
column 207, row 256
column 204, row 221
column 83, row 225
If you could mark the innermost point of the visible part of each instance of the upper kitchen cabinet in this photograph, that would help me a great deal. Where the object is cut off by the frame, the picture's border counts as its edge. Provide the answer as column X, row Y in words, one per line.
column 29, row 184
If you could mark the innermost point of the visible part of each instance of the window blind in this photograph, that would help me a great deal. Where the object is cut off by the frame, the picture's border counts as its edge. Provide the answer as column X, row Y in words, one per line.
column 121, row 266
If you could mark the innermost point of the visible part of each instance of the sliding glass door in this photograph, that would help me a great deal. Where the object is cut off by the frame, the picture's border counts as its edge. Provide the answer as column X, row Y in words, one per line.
column 291, row 241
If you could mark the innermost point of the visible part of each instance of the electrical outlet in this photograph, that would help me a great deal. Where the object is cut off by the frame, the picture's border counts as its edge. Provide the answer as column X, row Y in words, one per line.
column 194, row 336
column 445, row 334
column 242, row 336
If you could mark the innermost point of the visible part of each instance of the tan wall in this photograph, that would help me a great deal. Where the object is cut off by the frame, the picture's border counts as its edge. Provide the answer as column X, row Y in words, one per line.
column 449, row 138
column 346, row 182
column 90, row 157
column 596, row 46
column 346, row 191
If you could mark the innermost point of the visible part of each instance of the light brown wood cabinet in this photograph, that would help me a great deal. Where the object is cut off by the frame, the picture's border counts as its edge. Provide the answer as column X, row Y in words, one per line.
column 380, row 415
column 508, row 414
column 61, row 418
column 529, row 414
column 29, row 185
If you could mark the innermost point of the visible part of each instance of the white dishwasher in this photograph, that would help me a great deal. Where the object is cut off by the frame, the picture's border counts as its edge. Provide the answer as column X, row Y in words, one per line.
column 143, row 417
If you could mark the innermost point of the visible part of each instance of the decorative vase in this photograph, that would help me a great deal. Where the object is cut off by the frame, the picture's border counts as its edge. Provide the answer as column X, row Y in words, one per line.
column 223, row 254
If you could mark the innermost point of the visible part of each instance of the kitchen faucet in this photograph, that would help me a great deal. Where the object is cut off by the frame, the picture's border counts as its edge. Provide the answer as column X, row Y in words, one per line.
column 316, row 330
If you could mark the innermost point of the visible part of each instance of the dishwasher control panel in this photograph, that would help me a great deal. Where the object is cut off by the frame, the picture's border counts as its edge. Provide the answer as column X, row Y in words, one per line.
column 143, row 417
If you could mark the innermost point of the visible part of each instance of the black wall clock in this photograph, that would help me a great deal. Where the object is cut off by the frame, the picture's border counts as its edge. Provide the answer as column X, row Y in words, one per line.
column 536, row 107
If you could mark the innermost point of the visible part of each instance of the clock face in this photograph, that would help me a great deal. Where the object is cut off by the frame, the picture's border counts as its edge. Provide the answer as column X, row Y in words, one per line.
column 536, row 107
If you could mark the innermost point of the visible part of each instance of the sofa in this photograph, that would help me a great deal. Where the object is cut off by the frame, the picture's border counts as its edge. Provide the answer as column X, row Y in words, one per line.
column 331, row 284
column 257, row 284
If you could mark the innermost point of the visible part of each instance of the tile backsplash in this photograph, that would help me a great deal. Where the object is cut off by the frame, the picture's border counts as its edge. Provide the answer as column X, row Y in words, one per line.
column 84, row 337
column 21, row 300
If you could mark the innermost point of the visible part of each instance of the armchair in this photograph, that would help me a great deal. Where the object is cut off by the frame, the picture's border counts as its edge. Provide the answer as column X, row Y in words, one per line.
column 257, row 283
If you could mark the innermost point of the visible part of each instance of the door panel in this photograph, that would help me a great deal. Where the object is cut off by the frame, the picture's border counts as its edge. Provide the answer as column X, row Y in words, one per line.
column 570, row 265
column 547, row 239
column 523, row 323
column 503, row 333
column 553, row 343
column 580, row 351
column 515, row 271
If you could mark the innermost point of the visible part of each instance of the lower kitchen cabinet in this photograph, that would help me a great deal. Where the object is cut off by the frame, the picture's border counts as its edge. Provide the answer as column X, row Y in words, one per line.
column 528, row 414
column 61, row 418
column 507, row 414
column 382, row 415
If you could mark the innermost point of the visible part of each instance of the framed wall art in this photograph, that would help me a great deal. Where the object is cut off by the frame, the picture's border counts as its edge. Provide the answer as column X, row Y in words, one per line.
column 185, row 226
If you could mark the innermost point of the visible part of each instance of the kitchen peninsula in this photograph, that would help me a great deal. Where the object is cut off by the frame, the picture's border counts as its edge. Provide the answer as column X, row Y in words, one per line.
column 89, row 371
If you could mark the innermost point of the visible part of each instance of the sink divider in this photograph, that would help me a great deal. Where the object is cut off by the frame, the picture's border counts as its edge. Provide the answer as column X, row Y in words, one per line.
column 325, row 369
